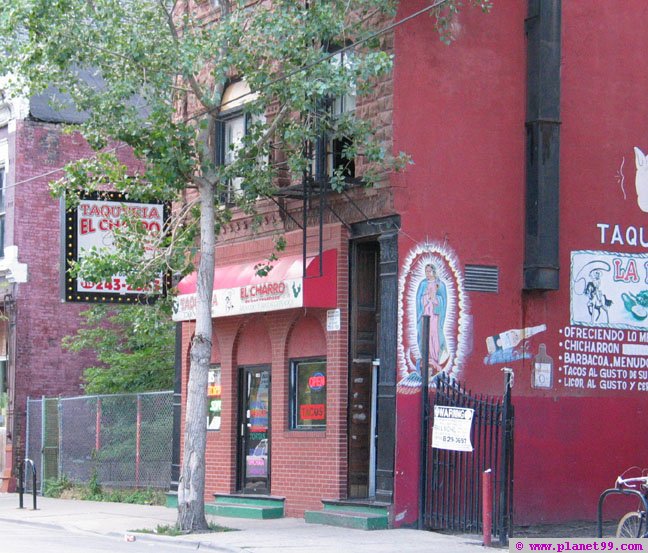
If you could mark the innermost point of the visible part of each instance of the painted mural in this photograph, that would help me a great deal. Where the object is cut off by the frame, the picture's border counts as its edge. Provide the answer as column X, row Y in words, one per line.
column 609, row 289
column 431, row 283
column 511, row 345
column 605, row 346
column 641, row 179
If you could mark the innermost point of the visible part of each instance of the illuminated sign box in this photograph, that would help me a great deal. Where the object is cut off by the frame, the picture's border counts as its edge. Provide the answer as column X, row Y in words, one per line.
column 90, row 225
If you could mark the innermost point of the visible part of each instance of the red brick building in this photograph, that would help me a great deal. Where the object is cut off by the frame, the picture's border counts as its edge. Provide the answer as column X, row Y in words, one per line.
column 523, row 212
column 33, row 151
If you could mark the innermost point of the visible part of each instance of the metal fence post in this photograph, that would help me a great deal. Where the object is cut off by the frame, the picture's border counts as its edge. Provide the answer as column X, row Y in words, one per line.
column 138, row 438
column 425, row 359
column 487, row 507
column 43, row 439
column 98, row 426
column 59, row 460
column 21, row 479
column 504, row 513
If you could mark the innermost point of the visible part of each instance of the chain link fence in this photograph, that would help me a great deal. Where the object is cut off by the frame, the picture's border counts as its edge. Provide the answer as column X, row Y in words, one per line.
column 124, row 439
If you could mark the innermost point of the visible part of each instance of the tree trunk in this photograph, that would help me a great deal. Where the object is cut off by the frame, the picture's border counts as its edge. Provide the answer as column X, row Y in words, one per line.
column 191, row 487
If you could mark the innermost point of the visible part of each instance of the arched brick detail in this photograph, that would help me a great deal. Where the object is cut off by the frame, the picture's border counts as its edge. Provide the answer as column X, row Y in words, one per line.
column 253, row 344
column 306, row 338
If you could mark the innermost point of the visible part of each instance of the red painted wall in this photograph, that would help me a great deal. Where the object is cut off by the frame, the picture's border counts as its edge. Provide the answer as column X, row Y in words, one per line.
column 460, row 112
column 596, row 432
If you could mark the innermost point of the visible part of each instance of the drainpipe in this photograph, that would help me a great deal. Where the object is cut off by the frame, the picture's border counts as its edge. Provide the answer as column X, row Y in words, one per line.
column 543, row 29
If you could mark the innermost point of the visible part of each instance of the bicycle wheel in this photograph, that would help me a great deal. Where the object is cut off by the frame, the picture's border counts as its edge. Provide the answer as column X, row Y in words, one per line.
column 630, row 525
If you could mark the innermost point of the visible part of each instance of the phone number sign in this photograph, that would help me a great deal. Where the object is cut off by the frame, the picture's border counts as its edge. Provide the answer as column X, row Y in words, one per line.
column 452, row 426
column 90, row 226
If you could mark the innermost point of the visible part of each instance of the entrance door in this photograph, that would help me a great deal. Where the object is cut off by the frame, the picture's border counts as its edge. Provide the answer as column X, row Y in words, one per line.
column 254, row 430
column 365, row 317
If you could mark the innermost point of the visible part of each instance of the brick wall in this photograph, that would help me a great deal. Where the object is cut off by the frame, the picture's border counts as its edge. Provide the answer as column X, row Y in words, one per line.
column 42, row 320
column 306, row 466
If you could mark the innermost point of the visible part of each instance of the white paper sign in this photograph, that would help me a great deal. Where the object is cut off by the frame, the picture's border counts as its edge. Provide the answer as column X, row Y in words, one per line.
column 333, row 320
column 452, row 428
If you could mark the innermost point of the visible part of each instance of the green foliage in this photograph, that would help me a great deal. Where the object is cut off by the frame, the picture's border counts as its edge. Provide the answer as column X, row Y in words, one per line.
column 93, row 491
column 56, row 487
column 446, row 13
column 151, row 75
column 134, row 344
column 132, row 66
column 173, row 530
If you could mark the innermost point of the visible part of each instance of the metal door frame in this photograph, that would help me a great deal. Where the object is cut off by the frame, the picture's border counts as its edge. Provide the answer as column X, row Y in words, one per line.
column 241, row 431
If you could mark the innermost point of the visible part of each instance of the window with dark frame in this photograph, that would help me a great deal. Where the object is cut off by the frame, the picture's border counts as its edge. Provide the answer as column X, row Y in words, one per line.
column 234, row 123
column 232, row 128
column 214, row 400
column 334, row 148
column 308, row 394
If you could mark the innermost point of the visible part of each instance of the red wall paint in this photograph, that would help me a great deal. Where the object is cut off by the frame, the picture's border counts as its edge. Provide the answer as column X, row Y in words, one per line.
column 581, row 439
column 460, row 112
column 570, row 450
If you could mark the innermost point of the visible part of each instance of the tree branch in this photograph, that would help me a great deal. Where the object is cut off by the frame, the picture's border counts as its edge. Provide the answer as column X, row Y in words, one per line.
column 191, row 78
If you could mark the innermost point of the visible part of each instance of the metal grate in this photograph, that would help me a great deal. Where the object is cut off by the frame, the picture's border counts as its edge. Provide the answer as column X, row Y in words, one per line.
column 453, row 495
column 481, row 278
column 125, row 440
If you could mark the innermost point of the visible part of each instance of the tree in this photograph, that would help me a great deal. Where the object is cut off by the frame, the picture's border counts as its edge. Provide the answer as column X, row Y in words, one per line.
column 133, row 343
column 151, row 74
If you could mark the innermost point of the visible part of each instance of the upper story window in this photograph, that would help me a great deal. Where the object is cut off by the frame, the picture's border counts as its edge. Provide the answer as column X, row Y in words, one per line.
column 334, row 147
column 234, row 124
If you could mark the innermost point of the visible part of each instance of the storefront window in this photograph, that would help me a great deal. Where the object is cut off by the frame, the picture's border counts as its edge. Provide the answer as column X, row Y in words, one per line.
column 308, row 394
column 214, row 398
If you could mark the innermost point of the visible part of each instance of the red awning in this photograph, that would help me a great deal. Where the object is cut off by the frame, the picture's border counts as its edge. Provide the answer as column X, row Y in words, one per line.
column 238, row 289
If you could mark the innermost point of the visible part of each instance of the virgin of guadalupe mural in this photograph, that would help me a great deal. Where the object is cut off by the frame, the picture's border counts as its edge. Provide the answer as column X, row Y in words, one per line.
column 431, row 283
column 432, row 300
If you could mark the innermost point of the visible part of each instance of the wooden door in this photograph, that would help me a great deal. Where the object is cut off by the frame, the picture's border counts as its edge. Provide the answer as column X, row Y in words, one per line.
column 364, row 337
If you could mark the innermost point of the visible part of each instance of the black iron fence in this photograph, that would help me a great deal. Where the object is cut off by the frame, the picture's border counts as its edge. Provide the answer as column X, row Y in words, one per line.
column 454, row 485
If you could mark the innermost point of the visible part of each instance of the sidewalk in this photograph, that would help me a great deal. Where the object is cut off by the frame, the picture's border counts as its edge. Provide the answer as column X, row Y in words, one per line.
column 252, row 536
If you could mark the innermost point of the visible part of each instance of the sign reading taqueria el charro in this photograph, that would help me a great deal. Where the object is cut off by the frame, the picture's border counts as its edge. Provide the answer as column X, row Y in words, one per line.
column 90, row 226
column 292, row 282
column 253, row 298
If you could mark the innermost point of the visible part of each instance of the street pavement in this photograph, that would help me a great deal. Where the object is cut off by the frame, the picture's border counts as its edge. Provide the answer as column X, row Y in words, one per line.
column 291, row 535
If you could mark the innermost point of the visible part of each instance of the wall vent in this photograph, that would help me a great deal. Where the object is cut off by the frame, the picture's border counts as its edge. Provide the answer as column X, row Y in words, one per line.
column 481, row 278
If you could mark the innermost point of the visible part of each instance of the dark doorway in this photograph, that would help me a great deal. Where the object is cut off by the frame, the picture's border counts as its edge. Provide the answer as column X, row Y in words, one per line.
column 364, row 324
column 254, row 430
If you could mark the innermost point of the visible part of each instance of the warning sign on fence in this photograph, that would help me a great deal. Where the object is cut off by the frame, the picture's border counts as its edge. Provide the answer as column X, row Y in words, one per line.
column 451, row 428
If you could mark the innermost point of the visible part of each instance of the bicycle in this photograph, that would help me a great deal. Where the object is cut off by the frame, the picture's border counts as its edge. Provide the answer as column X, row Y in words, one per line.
column 634, row 524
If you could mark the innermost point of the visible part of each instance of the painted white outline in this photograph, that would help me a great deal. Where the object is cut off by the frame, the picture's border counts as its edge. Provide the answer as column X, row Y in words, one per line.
column 457, row 310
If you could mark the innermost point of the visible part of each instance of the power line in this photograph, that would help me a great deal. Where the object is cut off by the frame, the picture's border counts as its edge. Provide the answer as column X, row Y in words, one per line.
column 59, row 169
column 292, row 73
